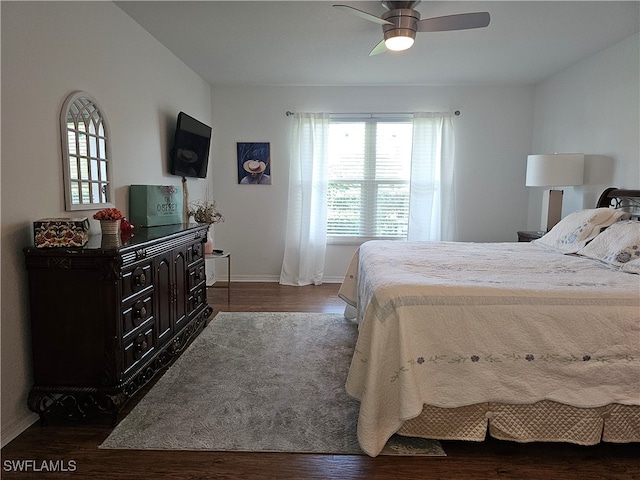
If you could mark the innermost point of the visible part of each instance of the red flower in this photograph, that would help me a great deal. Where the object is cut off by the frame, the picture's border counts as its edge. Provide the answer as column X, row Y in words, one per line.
column 109, row 214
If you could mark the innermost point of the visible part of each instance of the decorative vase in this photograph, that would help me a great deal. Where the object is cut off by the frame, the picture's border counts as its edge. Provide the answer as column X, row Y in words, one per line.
column 208, row 245
column 110, row 227
column 110, row 242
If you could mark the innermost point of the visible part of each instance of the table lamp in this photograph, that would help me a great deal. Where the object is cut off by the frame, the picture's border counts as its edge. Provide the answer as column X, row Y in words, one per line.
column 554, row 170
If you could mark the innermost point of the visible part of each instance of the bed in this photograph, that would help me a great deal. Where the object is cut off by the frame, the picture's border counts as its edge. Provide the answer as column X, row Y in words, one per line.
column 534, row 341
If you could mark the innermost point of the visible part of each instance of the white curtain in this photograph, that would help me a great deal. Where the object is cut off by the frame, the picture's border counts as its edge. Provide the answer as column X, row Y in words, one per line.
column 431, row 199
column 306, row 235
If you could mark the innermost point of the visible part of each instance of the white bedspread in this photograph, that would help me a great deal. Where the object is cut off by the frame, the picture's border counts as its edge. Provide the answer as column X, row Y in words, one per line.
column 454, row 324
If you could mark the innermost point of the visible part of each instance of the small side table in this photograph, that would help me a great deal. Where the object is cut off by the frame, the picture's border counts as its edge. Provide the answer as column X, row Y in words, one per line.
column 528, row 236
column 217, row 256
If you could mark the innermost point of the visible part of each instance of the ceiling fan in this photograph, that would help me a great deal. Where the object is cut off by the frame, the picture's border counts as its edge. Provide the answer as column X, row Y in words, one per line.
column 401, row 23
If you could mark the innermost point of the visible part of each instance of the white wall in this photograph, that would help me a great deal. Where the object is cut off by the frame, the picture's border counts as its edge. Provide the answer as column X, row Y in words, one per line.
column 493, row 137
column 50, row 49
column 593, row 108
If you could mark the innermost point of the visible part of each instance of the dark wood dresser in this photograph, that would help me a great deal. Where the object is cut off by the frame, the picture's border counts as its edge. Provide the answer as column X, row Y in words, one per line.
column 105, row 318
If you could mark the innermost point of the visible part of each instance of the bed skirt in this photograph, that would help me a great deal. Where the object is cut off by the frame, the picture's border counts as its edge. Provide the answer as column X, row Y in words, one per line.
column 544, row 421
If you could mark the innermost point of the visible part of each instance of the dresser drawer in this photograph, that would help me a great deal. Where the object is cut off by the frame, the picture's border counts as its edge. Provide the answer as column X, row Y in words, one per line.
column 195, row 252
column 197, row 297
column 197, row 275
column 135, row 280
column 139, row 348
column 135, row 313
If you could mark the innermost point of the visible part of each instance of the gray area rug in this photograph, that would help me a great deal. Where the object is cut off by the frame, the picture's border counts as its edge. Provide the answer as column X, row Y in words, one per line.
column 268, row 382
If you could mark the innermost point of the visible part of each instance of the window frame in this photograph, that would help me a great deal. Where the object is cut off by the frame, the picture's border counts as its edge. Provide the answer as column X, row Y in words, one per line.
column 370, row 183
column 99, row 168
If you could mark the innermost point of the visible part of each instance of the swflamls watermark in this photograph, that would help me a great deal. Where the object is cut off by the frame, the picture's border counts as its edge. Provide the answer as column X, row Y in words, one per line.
column 30, row 465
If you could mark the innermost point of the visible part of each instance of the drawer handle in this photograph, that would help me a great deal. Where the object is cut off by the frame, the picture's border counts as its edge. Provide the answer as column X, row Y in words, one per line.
column 140, row 347
column 140, row 280
column 139, row 311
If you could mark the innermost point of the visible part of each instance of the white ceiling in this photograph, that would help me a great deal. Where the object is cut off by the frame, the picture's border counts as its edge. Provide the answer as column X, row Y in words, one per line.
column 312, row 43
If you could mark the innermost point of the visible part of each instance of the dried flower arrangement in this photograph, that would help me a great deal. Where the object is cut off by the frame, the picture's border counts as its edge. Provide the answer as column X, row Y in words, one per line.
column 205, row 212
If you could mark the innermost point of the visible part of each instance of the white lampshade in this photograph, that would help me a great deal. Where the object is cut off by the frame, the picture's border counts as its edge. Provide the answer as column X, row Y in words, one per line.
column 559, row 169
column 553, row 171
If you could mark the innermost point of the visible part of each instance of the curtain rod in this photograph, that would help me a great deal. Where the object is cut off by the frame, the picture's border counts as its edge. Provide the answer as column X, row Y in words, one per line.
column 289, row 113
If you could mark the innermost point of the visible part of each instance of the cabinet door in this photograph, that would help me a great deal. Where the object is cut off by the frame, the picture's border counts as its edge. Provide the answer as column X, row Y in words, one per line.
column 180, row 287
column 165, row 295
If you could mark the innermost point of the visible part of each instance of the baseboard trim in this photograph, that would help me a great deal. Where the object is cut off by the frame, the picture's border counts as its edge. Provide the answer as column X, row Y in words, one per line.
column 254, row 278
column 332, row 279
column 273, row 279
column 16, row 428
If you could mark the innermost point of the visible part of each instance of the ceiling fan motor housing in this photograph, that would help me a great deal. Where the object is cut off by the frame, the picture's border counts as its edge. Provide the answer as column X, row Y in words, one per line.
column 405, row 23
column 394, row 5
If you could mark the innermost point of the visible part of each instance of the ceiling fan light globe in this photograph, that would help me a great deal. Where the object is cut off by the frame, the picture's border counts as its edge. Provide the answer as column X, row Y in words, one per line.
column 398, row 43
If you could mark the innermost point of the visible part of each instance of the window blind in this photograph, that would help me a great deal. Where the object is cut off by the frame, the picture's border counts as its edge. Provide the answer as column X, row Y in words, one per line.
column 369, row 174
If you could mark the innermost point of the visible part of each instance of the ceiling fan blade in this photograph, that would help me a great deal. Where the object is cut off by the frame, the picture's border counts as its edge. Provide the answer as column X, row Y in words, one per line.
column 379, row 48
column 365, row 15
column 462, row 21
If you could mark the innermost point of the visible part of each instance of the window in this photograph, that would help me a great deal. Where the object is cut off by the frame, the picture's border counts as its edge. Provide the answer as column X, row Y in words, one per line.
column 369, row 173
column 85, row 154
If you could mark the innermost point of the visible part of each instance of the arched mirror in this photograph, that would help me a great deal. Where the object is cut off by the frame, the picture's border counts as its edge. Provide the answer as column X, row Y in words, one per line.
column 85, row 154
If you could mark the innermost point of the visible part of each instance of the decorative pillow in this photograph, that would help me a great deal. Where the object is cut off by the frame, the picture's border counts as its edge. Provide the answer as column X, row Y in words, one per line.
column 575, row 230
column 632, row 266
column 619, row 244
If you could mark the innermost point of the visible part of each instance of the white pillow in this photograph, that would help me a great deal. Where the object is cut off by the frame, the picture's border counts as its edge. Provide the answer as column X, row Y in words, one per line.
column 632, row 267
column 575, row 230
column 617, row 245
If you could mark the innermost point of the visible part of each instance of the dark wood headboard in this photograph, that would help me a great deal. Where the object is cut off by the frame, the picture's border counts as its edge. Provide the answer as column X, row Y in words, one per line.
column 628, row 200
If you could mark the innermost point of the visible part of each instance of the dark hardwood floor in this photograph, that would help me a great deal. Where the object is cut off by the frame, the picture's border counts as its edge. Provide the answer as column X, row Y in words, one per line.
column 76, row 445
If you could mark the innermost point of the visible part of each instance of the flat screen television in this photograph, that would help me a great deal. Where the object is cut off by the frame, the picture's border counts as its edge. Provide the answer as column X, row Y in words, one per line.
column 190, row 153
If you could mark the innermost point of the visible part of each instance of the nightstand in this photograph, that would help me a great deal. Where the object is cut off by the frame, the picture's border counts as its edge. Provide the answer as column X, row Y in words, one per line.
column 528, row 236
column 216, row 256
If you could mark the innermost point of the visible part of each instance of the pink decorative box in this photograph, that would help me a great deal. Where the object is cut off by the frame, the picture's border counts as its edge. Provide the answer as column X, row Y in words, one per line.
column 61, row 232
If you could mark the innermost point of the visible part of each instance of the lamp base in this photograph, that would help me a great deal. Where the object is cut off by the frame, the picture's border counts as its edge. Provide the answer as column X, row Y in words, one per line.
column 551, row 209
